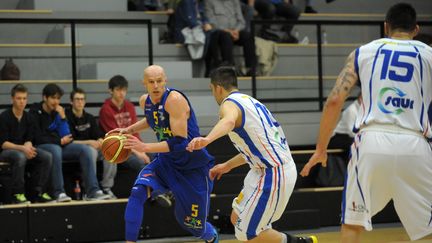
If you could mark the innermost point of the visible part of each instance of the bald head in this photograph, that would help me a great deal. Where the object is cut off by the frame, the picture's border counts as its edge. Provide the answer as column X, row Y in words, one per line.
column 155, row 81
column 154, row 71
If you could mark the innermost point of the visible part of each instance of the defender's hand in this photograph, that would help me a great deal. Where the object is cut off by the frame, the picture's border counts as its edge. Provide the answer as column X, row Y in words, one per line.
column 317, row 157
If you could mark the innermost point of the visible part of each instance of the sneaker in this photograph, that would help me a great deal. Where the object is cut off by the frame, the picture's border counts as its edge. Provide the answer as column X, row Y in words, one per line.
column 216, row 237
column 97, row 196
column 163, row 200
column 19, row 198
column 43, row 198
column 307, row 239
column 62, row 197
column 108, row 192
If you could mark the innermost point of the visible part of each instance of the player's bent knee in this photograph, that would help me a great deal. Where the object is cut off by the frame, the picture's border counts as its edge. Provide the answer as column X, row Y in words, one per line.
column 139, row 192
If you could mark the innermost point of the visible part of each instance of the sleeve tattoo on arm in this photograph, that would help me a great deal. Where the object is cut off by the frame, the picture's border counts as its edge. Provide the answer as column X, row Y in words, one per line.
column 346, row 79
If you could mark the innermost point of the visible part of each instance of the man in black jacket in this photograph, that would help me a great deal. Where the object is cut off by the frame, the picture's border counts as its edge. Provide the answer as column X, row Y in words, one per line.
column 85, row 129
column 16, row 147
column 53, row 135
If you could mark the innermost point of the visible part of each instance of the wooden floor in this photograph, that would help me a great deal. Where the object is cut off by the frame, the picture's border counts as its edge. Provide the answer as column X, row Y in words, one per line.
column 386, row 234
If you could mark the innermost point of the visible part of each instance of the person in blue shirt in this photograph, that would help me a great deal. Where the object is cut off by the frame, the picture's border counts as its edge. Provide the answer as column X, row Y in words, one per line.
column 169, row 113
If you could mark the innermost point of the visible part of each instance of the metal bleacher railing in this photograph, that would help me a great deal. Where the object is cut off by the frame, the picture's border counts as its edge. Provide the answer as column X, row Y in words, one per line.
column 73, row 42
column 319, row 45
column 148, row 22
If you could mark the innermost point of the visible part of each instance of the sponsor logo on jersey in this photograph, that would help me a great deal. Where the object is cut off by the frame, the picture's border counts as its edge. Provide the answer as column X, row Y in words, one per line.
column 359, row 208
column 394, row 101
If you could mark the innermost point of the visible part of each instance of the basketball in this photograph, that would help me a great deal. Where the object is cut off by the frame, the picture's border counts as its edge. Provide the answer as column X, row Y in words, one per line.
column 112, row 148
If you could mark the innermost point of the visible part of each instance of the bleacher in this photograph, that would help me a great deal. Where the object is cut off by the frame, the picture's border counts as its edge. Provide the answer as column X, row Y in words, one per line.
column 42, row 50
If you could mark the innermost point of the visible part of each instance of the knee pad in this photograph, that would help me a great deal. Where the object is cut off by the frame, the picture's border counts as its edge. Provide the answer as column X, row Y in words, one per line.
column 139, row 193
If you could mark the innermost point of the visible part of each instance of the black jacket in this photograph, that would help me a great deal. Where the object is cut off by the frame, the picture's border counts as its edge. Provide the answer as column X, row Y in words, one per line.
column 47, row 125
column 14, row 131
column 83, row 128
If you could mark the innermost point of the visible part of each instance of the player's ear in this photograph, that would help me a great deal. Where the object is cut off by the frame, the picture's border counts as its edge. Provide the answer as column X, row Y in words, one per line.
column 416, row 30
column 386, row 29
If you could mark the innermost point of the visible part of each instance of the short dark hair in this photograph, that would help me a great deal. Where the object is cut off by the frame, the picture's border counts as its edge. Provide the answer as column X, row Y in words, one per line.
column 117, row 81
column 76, row 91
column 224, row 76
column 402, row 16
column 52, row 89
column 18, row 88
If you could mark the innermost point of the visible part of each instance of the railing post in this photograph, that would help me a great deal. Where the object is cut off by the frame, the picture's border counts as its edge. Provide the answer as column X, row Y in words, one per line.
column 150, row 41
column 74, row 61
column 320, row 68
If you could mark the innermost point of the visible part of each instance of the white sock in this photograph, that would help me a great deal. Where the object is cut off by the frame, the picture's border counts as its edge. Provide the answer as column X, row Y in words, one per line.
column 284, row 238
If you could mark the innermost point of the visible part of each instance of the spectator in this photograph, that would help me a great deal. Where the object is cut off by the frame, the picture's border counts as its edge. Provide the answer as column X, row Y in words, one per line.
column 310, row 9
column 117, row 112
column 16, row 147
column 84, row 128
column 227, row 15
column 144, row 5
column 190, row 19
column 53, row 135
column 269, row 9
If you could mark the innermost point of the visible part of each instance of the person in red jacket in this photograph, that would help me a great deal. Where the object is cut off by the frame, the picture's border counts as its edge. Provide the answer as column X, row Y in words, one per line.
column 118, row 112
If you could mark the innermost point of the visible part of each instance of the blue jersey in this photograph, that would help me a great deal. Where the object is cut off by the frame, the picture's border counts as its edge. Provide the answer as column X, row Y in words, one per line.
column 159, row 121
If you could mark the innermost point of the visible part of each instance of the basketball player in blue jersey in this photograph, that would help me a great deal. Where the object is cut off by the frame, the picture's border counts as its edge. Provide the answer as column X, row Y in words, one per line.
column 262, row 144
column 391, row 158
column 170, row 115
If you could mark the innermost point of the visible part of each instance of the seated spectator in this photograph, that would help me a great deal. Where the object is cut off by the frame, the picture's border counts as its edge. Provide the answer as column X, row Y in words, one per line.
column 117, row 112
column 226, row 15
column 190, row 19
column 309, row 8
column 269, row 9
column 84, row 128
column 16, row 147
column 145, row 5
column 53, row 135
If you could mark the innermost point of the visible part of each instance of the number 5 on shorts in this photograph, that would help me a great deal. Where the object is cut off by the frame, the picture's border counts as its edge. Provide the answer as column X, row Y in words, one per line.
column 194, row 210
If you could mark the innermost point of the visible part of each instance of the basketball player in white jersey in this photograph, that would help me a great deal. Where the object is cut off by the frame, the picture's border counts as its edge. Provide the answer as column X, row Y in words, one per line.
column 391, row 157
column 262, row 144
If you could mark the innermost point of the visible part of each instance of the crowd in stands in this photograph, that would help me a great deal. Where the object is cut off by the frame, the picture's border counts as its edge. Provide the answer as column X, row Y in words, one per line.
column 41, row 139
column 212, row 24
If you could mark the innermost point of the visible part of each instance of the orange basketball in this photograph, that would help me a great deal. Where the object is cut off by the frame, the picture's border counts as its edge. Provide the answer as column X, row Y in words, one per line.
column 112, row 148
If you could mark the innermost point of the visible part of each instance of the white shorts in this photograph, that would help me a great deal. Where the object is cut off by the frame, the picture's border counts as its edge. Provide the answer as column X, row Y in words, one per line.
column 263, row 199
column 385, row 166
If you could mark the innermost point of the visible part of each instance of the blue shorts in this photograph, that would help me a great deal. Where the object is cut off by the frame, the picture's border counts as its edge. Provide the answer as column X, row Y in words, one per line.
column 191, row 189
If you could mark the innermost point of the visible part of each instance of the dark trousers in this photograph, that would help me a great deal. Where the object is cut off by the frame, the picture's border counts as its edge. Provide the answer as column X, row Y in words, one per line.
column 40, row 167
column 222, row 43
column 268, row 11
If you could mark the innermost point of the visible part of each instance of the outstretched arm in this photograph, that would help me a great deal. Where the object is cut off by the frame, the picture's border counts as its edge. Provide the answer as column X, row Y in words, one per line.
column 218, row 170
column 331, row 112
column 229, row 113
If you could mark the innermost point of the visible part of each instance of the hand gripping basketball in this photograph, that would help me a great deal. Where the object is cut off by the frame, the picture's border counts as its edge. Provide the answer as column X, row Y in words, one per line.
column 113, row 148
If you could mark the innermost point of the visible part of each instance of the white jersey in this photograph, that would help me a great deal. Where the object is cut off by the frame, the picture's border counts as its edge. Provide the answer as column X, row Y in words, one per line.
column 396, row 84
column 260, row 139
